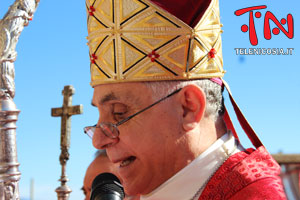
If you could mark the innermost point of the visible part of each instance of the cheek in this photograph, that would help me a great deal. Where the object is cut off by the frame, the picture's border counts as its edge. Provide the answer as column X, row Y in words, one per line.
column 160, row 136
column 148, row 139
column 150, row 132
column 148, row 142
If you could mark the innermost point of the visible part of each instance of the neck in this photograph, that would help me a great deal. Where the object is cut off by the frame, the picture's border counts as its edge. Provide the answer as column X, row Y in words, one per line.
column 205, row 135
column 221, row 128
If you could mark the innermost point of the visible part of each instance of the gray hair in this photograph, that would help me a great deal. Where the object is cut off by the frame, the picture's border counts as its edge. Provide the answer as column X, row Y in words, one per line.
column 213, row 91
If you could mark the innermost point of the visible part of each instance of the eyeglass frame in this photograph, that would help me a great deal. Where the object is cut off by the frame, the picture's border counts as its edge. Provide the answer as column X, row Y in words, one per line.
column 90, row 130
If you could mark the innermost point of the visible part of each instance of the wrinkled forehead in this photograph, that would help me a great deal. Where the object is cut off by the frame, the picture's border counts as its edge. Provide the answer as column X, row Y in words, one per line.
column 123, row 92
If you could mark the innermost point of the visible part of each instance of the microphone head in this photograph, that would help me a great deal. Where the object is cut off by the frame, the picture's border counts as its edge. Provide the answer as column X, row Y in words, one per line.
column 107, row 184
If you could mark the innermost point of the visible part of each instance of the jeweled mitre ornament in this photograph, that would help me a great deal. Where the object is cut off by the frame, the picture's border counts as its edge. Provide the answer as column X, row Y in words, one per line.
column 136, row 40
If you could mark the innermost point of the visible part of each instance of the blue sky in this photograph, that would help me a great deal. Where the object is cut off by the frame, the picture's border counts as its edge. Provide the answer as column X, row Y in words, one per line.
column 52, row 53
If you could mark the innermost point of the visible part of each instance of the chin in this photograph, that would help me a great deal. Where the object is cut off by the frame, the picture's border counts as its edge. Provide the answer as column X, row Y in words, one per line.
column 132, row 189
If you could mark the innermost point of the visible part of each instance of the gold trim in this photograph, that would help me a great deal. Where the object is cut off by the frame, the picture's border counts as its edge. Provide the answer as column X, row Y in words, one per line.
column 182, row 53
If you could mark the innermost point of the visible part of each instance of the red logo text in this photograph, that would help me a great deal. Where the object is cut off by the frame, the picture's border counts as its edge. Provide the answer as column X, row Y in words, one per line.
column 269, row 16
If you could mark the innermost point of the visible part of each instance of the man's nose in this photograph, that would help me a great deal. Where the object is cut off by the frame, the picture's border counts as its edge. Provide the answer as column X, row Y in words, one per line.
column 101, row 141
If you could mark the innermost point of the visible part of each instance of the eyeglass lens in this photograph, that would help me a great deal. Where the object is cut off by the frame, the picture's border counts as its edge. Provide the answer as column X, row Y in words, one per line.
column 109, row 129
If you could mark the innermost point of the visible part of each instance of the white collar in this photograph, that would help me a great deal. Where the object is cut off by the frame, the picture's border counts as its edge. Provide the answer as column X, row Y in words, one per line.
column 198, row 172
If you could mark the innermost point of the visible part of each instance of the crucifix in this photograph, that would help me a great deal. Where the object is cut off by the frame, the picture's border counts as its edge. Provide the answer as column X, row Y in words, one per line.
column 65, row 113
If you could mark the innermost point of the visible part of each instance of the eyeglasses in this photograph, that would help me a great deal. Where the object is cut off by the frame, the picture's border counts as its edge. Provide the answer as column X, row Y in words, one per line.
column 111, row 130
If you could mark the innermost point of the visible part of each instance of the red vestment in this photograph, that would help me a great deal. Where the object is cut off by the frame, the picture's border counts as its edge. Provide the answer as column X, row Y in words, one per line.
column 252, row 174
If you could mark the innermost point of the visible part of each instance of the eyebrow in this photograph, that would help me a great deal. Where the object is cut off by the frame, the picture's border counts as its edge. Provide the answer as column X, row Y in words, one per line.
column 108, row 97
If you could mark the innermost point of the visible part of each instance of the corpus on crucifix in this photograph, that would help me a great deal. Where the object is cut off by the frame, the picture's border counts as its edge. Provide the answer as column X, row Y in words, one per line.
column 65, row 112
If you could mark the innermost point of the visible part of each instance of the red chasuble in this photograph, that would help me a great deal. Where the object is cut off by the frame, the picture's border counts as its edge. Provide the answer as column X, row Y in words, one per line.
column 252, row 175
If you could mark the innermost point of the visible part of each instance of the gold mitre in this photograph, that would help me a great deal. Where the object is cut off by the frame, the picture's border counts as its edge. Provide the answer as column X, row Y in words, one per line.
column 136, row 40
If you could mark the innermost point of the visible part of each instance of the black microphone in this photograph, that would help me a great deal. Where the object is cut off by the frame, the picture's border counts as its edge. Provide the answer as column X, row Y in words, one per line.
column 107, row 186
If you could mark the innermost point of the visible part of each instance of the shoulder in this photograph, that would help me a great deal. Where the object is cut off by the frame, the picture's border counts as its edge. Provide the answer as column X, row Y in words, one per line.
column 246, row 173
column 266, row 188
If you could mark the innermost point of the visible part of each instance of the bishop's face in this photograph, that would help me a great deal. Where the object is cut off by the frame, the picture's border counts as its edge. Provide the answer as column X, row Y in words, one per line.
column 145, row 151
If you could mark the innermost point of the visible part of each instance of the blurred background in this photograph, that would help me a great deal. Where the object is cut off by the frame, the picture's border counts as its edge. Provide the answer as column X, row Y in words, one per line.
column 52, row 53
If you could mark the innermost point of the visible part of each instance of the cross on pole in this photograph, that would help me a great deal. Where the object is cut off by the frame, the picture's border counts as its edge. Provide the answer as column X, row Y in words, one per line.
column 65, row 113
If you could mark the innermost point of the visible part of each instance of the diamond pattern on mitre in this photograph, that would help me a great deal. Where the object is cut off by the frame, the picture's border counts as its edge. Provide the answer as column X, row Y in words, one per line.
column 147, row 27
column 91, row 1
column 153, row 69
column 210, row 21
column 216, row 8
column 94, row 43
column 129, row 8
column 153, row 43
column 94, row 25
column 151, row 31
column 149, row 43
column 197, row 53
column 107, row 57
column 218, row 57
column 219, row 54
column 210, row 18
column 96, row 73
column 178, row 56
column 154, row 21
column 129, row 56
column 212, row 65
column 106, row 9
column 209, row 38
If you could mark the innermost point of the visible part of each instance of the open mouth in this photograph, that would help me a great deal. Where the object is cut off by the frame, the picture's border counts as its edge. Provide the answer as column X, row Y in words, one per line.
column 127, row 161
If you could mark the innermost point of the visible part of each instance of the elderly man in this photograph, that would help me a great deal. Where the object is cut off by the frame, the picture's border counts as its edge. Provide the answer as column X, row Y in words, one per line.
column 156, row 71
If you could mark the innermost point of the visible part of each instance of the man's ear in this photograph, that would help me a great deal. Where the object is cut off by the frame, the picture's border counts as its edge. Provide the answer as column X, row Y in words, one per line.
column 193, row 101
